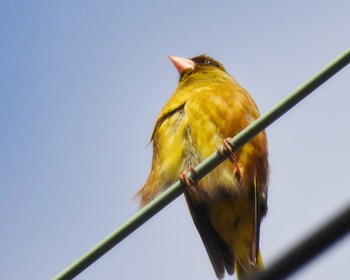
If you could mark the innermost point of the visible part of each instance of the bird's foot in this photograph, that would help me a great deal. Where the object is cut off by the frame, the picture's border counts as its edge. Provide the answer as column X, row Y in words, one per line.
column 190, row 182
column 228, row 149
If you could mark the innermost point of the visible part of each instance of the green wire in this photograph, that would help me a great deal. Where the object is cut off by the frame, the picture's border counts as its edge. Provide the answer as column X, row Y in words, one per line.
column 204, row 168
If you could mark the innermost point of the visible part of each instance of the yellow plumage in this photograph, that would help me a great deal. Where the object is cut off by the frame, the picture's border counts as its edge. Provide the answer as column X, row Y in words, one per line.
column 207, row 107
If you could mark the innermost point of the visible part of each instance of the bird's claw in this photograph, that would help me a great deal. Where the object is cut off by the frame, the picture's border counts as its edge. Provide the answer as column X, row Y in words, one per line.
column 228, row 149
column 190, row 182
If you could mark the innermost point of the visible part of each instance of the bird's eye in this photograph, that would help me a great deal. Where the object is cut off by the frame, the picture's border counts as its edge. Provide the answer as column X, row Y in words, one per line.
column 208, row 62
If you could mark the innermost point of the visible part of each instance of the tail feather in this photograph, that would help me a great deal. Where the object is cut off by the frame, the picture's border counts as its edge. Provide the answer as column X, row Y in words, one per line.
column 242, row 271
column 254, row 248
column 219, row 253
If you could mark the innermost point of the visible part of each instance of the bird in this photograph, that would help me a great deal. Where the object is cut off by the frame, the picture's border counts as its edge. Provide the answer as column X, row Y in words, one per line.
column 227, row 206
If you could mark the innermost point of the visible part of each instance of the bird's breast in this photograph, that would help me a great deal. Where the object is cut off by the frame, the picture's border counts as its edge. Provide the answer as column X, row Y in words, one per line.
column 211, row 112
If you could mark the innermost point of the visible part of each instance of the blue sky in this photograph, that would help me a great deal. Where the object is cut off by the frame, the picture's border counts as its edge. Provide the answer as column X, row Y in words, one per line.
column 81, row 85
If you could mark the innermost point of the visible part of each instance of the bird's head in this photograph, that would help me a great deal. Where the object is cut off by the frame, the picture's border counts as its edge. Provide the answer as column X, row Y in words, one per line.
column 187, row 66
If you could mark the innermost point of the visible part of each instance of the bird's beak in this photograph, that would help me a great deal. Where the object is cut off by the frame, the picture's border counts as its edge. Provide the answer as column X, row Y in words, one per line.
column 181, row 64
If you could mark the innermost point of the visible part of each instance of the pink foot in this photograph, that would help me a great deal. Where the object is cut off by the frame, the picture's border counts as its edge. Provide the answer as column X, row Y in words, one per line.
column 189, row 182
column 228, row 149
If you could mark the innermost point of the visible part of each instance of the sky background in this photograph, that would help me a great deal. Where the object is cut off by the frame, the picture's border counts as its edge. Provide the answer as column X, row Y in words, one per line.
column 81, row 85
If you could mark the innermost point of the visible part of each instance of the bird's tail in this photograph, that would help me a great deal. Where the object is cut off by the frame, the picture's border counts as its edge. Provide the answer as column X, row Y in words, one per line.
column 248, row 268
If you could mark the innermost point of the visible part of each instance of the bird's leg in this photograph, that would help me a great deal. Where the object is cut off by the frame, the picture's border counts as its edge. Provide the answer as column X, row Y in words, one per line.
column 228, row 148
column 189, row 182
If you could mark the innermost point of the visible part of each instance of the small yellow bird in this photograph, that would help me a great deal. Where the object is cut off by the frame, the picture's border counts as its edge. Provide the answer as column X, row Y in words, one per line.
column 227, row 205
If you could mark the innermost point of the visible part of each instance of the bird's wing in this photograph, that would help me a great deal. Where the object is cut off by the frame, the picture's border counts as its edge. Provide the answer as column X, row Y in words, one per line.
column 176, row 103
column 219, row 253
column 164, row 116
column 254, row 248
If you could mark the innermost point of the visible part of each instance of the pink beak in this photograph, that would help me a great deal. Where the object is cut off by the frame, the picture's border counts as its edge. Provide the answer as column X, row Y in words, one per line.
column 181, row 64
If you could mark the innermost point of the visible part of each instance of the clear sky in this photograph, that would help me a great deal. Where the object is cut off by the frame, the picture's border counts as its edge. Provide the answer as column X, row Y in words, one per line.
column 81, row 85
